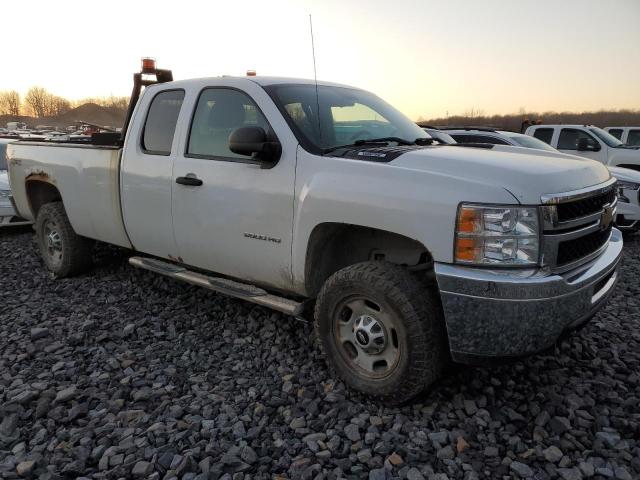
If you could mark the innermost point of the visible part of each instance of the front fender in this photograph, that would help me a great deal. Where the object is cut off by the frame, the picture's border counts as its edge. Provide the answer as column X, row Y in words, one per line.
column 416, row 204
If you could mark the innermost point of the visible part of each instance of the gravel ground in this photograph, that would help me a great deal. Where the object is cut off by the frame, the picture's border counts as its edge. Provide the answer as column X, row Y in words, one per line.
column 125, row 374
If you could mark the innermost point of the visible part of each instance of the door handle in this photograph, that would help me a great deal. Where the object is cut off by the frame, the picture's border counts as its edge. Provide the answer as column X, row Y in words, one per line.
column 189, row 179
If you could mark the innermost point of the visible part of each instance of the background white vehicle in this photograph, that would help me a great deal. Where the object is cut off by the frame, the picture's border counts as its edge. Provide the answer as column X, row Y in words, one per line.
column 297, row 193
column 628, row 211
column 627, row 135
column 588, row 141
column 8, row 215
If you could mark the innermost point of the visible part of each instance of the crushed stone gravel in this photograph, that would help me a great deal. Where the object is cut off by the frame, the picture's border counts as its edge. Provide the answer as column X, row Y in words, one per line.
column 124, row 374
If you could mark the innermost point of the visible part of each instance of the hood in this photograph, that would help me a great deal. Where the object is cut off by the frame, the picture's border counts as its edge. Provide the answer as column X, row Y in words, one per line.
column 526, row 173
column 4, row 180
column 625, row 174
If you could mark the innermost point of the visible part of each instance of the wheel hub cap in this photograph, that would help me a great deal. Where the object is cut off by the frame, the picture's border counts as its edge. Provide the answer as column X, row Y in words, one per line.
column 53, row 241
column 369, row 334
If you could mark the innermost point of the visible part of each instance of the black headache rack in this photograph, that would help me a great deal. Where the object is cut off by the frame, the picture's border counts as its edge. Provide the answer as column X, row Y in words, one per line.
column 113, row 138
column 148, row 69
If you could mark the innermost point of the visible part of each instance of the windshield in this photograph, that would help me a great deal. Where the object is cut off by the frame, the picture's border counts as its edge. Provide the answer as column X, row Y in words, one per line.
column 530, row 142
column 346, row 116
column 606, row 137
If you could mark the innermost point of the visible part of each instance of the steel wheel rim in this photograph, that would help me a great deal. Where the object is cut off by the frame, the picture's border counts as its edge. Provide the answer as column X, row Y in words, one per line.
column 367, row 335
column 52, row 241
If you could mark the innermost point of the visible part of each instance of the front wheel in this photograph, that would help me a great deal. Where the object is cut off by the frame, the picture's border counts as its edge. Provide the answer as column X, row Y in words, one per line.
column 64, row 252
column 382, row 330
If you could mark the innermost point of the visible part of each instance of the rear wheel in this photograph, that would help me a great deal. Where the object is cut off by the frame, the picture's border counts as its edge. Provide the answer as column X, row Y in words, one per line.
column 64, row 252
column 382, row 330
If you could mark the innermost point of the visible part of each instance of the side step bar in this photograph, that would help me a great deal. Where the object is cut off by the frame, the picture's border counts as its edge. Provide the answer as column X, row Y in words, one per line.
column 225, row 286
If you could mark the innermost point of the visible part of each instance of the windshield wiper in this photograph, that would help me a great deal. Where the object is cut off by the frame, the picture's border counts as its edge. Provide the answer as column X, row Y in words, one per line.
column 370, row 141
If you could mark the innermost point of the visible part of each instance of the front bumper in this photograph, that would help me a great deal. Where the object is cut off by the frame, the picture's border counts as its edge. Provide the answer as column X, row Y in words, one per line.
column 502, row 313
column 628, row 213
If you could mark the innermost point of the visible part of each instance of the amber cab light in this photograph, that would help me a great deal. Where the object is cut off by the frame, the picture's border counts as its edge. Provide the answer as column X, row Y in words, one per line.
column 148, row 65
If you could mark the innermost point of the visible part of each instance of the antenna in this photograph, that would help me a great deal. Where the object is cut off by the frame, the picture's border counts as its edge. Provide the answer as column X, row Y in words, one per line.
column 315, row 78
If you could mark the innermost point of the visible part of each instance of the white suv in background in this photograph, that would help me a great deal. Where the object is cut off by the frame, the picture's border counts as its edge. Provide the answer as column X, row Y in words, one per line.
column 627, row 135
column 628, row 212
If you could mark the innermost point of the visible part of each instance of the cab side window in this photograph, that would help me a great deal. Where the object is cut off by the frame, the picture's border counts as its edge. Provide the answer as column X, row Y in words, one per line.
column 544, row 134
column 218, row 113
column 487, row 139
column 634, row 137
column 569, row 138
column 616, row 132
column 160, row 125
column 475, row 138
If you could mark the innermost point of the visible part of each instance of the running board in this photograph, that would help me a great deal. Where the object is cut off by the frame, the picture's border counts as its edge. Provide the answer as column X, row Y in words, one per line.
column 225, row 286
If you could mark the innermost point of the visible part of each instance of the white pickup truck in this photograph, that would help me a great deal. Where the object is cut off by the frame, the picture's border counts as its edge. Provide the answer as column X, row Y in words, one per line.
column 627, row 135
column 409, row 252
column 588, row 141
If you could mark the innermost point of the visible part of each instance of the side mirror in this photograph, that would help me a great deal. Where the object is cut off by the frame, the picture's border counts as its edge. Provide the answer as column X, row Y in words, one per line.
column 585, row 145
column 254, row 142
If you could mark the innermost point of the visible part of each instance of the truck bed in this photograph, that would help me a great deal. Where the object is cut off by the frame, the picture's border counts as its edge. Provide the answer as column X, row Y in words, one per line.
column 87, row 177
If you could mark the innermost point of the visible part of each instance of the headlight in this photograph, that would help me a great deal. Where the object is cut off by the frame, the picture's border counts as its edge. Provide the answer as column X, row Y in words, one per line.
column 629, row 186
column 490, row 235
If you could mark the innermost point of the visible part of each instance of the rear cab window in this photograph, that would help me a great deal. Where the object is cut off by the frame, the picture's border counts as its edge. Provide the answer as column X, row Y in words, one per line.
column 544, row 134
column 160, row 124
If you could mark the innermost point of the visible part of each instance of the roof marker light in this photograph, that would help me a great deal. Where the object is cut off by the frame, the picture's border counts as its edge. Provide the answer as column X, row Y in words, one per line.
column 148, row 65
column 251, row 73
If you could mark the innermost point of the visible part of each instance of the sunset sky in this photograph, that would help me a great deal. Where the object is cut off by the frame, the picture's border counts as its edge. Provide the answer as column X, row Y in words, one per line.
column 425, row 57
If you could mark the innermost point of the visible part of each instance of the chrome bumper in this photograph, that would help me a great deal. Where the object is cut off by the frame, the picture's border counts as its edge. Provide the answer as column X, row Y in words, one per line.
column 501, row 313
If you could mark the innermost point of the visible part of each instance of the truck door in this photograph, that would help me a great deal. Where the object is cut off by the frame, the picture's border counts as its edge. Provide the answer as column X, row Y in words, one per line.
column 230, row 215
column 146, row 173
column 571, row 139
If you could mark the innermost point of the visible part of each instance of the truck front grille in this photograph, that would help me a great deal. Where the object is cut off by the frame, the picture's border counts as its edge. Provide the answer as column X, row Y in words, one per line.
column 581, row 247
column 577, row 225
column 586, row 206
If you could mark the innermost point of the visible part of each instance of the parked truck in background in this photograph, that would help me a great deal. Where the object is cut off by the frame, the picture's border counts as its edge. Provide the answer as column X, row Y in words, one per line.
column 627, row 135
column 294, row 194
column 588, row 141
column 8, row 216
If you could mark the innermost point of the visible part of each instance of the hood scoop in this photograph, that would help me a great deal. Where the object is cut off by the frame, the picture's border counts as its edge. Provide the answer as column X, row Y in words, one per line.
column 382, row 154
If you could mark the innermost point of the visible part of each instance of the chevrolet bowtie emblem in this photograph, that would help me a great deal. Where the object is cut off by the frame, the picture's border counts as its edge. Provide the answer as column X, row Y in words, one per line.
column 607, row 217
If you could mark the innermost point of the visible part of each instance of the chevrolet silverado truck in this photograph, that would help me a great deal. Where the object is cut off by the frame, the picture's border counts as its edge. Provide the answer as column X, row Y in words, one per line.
column 319, row 199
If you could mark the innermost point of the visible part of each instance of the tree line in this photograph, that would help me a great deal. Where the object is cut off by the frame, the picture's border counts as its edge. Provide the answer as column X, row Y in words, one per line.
column 513, row 121
column 38, row 102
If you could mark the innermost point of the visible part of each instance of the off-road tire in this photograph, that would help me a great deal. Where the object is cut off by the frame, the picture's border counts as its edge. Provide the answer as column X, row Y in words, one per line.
column 75, row 254
column 418, row 309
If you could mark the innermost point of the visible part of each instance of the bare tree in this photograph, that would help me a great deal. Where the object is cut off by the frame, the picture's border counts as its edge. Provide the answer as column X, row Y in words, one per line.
column 10, row 103
column 57, row 105
column 37, row 101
